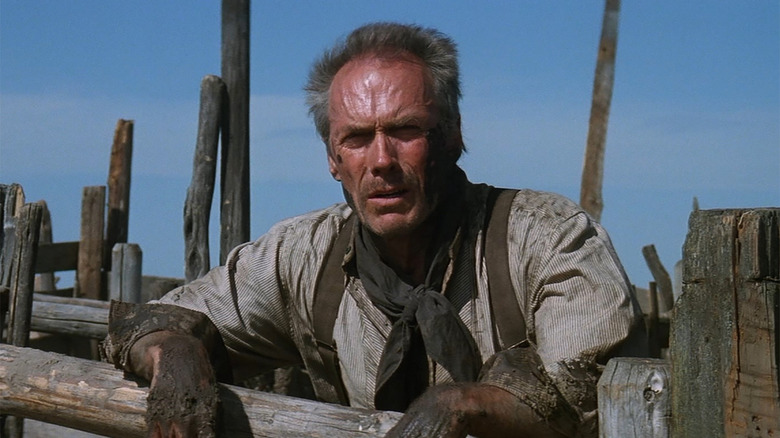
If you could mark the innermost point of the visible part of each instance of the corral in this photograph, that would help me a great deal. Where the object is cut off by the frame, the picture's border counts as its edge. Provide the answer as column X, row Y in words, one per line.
column 728, row 314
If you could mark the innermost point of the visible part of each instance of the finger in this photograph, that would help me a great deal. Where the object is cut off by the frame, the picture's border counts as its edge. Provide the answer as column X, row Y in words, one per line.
column 154, row 431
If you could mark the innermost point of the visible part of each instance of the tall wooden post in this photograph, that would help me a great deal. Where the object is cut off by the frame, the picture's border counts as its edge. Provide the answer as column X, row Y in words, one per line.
column 235, row 130
column 119, row 188
column 204, row 170
column 593, row 168
column 724, row 344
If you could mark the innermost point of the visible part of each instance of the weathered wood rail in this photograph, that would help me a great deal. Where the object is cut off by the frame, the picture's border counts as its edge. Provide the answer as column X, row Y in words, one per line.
column 95, row 397
column 70, row 316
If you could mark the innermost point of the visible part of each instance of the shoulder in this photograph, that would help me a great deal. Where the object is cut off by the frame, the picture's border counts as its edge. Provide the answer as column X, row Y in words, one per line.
column 529, row 205
column 545, row 206
column 327, row 221
column 309, row 233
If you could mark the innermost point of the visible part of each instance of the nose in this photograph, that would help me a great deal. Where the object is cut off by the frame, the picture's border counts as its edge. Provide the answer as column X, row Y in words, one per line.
column 382, row 155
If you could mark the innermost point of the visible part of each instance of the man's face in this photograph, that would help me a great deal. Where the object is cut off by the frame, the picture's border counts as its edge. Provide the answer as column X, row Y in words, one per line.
column 380, row 111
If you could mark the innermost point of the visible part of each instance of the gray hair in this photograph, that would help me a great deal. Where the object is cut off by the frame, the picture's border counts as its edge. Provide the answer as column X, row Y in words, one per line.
column 437, row 51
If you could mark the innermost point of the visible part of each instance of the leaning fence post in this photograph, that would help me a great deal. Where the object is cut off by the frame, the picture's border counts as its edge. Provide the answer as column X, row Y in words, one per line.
column 125, row 277
column 197, row 207
column 119, row 172
column 724, row 344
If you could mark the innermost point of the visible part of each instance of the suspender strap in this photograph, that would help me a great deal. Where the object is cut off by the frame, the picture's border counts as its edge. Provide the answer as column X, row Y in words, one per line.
column 327, row 297
column 507, row 314
column 329, row 291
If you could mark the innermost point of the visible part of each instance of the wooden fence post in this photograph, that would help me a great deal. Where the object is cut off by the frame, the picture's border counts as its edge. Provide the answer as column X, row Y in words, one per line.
column 593, row 167
column 46, row 282
column 119, row 173
column 11, row 201
column 197, row 207
column 89, row 275
column 28, row 226
column 661, row 277
column 633, row 396
column 724, row 343
column 125, row 277
column 234, row 217
column 22, row 273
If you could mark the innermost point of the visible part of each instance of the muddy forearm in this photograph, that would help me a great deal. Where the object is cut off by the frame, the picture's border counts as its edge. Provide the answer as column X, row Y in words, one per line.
column 135, row 330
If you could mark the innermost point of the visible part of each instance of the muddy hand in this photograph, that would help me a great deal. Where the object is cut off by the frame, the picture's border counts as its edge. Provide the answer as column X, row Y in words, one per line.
column 183, row 397
column 434, row 414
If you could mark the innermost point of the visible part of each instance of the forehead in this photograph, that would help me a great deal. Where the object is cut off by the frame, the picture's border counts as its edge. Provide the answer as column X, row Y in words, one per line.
column 373, row 80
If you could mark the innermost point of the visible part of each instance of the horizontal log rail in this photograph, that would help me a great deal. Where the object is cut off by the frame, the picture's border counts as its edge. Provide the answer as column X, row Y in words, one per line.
column 95, row 397
column 70, row 316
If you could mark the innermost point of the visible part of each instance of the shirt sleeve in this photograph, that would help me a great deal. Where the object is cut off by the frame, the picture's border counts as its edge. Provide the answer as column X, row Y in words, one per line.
column 244, row 301
column 248, row 303
column 577, row 301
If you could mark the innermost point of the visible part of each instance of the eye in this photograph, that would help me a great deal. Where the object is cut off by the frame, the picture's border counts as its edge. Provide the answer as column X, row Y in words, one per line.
column 407, row 132
column 355, row 140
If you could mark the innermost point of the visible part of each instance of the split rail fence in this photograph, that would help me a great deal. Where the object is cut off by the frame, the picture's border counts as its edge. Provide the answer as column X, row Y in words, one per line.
column 721, row 378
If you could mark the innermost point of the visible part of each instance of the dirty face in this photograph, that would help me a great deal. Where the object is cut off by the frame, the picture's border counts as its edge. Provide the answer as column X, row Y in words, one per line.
column 381, row 113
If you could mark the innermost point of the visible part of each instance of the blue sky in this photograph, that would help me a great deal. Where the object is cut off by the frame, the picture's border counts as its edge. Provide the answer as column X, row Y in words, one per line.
column 695, row 110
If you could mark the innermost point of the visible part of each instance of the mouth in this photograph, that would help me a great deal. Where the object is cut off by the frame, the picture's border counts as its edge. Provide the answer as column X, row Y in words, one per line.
column 389, row 194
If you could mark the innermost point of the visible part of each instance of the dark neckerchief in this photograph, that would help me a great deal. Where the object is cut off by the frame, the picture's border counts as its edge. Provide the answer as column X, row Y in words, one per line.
column 424, row 320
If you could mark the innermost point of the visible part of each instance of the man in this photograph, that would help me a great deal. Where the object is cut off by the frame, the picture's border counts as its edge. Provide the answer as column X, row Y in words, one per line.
column 413, row 328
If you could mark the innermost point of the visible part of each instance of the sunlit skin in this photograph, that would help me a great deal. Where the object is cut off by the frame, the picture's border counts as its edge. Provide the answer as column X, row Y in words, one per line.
column 381, row 108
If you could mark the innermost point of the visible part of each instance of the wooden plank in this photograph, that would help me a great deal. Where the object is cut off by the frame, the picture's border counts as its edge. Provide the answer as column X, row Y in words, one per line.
column 89, row 277
column 45, row 281
column 724, row 342
column 234, row 209
column 593, row 169
column 653, row 340
column 13, row 199
column 125, row 277
column 95, row 397
column 662, row 278
column 70, row 319
column 197, row 207
column 45, row 298
column 56, row 257
column 28, row 226
column 633, row 398
column 119, row 188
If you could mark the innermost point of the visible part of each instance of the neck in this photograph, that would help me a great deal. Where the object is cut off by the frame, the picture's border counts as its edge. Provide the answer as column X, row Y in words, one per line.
column 407, row 255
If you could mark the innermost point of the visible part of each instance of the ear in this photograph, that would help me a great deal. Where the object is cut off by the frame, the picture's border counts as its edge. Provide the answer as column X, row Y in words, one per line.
column 333, row 167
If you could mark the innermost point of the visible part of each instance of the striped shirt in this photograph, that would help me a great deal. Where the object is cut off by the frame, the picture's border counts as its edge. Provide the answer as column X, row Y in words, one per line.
column 575, row 297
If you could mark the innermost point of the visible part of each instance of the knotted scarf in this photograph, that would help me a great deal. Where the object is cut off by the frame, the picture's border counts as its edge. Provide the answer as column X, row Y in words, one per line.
column 424, row 321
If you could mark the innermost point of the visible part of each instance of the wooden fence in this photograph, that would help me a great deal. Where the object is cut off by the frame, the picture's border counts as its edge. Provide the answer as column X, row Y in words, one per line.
column 721, row 378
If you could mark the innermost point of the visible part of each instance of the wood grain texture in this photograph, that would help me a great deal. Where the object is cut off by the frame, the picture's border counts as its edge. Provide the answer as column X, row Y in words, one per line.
column 200, row 193
column 634, row 398
column 95, row 397
column 724, row 344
